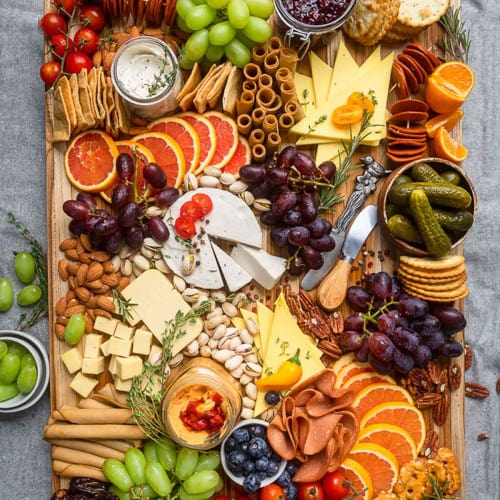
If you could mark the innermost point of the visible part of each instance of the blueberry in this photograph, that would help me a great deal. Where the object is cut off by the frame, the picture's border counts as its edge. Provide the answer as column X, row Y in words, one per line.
column 230, row 445
column 261, row 464
column 262, row 475
column 273, row 468
column 272, row 398
column 258, row 431
column 241, row 435
column 236, row 461
column 251, row 483
column 248, row 467
column 258, row 447
column 291, row 491
column 291, row 467
column 244, row 447
column 284, row 479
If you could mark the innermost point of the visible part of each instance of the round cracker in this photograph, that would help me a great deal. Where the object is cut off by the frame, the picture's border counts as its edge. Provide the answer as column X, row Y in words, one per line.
column 428, row 278
column 421, row 13
column 425, row 273
column 440, row 296
column 442, row 263
column 365, row 16
column 444, row 286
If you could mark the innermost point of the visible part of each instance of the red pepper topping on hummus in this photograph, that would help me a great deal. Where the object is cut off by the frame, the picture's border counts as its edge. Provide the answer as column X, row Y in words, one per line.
column 204, row 414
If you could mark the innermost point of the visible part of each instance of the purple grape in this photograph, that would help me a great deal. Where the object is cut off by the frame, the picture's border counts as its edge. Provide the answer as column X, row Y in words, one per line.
column 312, row 257
column 308, row 207
column 91, row 222
column 284, row 202
column 293, row 218
column 316, row 228
column 125, row 166
column 114, row 242
column 402, row 361
column 77, row 210
column 397, row 288
column 304, row 164
column 260, row 190
column 413, row 307
column 405, row 339
column 96, row 240
column 107, row 226
column 269, row 218
column 122, row 194
column 166, row 197
column 146, row 233
column 381, row 346
column 327, row 226
column 399, row 319
column 426, row 325
column 351, row 340
column 380, row 285
column 435, row 341
column 328, row 170
column 299, row 236
column 296, row 266
column 155, row 175
column 422, row 355
column 134, row 237
column 285, row 157
column 450, row 318
column 129, row 214
column 324, row 244
column 358, row 298
column 386, row 323
column 77, row 227
column 451, row 349
column 363, row 352
column 277, row 176
column 354, row 322
column 158, row 229
column 253, row 174
column 86, row 198
column 279, row 236
column 378, row 365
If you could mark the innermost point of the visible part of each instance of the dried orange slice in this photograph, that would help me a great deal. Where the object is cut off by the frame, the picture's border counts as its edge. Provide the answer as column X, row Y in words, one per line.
column 446, row 120
column 343, row 361
column 448, row 86
column 242, row 156
column 226, row 132
column 168, row 155
column 184, row 135
column 358, row 478
column 447, row 148
column 89, row 161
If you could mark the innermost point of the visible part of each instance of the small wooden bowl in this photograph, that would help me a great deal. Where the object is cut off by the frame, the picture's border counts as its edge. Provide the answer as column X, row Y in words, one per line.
column 440, row 166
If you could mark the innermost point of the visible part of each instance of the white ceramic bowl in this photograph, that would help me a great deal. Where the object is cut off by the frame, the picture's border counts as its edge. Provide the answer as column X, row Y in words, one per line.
column 22, row 402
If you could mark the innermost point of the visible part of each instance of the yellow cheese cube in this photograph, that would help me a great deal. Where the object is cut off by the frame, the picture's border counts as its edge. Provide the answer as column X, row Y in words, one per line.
column 105, row 348
column 132, row 318
column 93, row 366
column 83, row 385
column 129, row 367
column 113, row 365
column 123, row 331
column 92, row 343
column 119, row 347
column 72, row 360
column 122, row 385
column 105, row 325
column 142, row 342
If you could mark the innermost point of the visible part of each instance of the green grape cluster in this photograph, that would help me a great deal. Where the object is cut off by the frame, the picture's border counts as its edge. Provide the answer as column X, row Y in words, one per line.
column 162, row 469
column 222, row 29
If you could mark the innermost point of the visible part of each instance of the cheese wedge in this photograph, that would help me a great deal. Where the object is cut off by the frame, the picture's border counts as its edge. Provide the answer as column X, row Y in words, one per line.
column 321, row 76
column 265, row 319
column 234, row 275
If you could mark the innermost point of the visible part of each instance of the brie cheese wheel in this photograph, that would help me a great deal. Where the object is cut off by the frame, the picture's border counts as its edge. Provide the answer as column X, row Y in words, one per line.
column 234, row 275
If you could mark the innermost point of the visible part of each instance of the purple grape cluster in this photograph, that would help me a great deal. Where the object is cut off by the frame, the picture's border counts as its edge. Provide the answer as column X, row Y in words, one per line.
column 290, row 181
column 395, row 331
column 127, row 221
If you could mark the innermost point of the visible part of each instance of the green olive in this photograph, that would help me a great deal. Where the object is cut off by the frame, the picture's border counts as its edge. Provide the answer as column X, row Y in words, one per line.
column 29, row 295
column 26, row 380
column 74, row 329
column 6, row 294
column 25, row 266
column 9, row 368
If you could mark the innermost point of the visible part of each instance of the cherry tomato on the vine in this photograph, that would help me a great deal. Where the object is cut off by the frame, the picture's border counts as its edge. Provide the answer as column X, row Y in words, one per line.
column 49, row 72
column 272, row 492
column 60, row 43
column 333, row 484
column 66, row 7
column 76, row 61
column 86, row 40
column 204, row 201
column 52, row 24
column 192, row 209
column 185, row 226
column 92, row 17
column 311, row 491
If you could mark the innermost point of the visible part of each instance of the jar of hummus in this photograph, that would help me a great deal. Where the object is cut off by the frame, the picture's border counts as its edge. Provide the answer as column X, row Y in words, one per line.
column 201, row 405
column 146, row 75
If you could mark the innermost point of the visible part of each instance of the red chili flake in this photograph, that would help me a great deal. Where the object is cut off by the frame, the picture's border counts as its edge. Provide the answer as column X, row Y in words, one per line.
column 353, row 268
column 252, row 287
column 370, row 263
column 248, row 295
column 387, row 252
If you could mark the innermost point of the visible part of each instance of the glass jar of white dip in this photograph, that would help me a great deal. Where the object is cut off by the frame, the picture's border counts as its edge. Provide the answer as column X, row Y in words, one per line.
column 146, row 75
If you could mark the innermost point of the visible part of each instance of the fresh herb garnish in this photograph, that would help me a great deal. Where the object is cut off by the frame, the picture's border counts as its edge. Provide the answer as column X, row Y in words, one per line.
column 312, row 128
column 164, row 78
column 124, row 305
column 456, row 39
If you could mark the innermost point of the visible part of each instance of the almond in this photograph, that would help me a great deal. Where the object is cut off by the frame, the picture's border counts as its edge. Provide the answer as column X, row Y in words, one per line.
column 99, row 256
column 79, row 247
column 62, row 269
column 92, row 302
column 123, row 283
column 72, row 282
column 61, row 306
column 102, row 312
column 83, row 293
column 74, row 310
column 81, row 275
column 96, row 270
column 94, row 284
column 84, row 239
column 103, row 290
column 72, row 254
column 61, row 320
column 105, row 303
column 73, row 268
column 111, row 279
column 67, row 244
column 89, row 324
column 85, row 258
column 108, row 266
column 70, row 294
column 59, row 331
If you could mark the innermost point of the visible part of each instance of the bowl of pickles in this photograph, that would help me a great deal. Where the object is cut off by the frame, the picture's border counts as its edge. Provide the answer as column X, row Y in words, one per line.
column 24, row 371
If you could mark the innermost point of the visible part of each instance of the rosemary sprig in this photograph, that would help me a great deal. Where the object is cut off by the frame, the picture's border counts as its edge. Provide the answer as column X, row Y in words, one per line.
column 163, row 78
column 437, row 490
column 41, row 308
column 124, row 305
column 456, row 39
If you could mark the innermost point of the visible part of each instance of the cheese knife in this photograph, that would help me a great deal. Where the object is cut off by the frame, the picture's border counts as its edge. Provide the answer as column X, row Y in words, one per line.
column 333, row 288
column 365, row 185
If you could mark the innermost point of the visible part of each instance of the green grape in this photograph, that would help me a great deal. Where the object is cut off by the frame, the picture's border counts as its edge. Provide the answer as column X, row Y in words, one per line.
column 29, row 295
column 238, row 53
column 167, row 454
column 24, row 265
column 217, row 4
column 8, row 391
column 9, row 368
column 209, row 460
column 26, row 379
column 221, row 34
column 196, row 45
column 122, row 495
column 237, row 13
column 200, row 16
column 220, row 485
column 157, row 478
column 260, row 8
column 149, row 450
column 74, row 329
column 245, row 40
column 144, row 491
column 181, row 24
column 214, row 53
column 257, row 29
column 184, row 495
column 135, row 461
column 116, row 472
column 4, row 348
column 187, row 459
column 185, row 62
column 27, row 360
column 201, row 481
column 200, row 2
column 6, row 294
column 182, row 8
column 20, row 350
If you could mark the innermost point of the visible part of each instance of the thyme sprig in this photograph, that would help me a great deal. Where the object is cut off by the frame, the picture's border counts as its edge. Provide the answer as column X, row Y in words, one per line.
column 164, row 78
column 124, row 305
column 148, row 389
column 456, row 39
column 41, row 309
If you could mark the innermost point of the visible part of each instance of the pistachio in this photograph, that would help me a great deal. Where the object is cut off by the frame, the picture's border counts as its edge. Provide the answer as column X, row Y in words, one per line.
column 237, row 373
column 125, row 251
column 252, row 326
column 208, row 181
column 218, row 296
column 212, row 343
column 205, row 351
column 191, row 295
column 238, row 187
column 246, row 413
column 188, row 264
column 154, row 211
column 223, row 355
column 147, row 253
column 234, row 343
column 151, row 244
column 217, row 311
column 253, row 369
column 190, row 182
column 245, row 337
column 233, row 362
column 262, row 204
column 251, row 390
column 176, row 360
column 248, row 402
column 247, row 197
column 203, row 338
column 251, row 358
column 239, row 299
column 212, row 171
column 140, row 262
column 245, row 379
column 192, row 349
column 126, row 267
column 215, row 321
column 219, row 332
column 116, row 261
column 226, row 179
column 229, row 309
column 162, row 266
column 179, row 283
column 243, row 349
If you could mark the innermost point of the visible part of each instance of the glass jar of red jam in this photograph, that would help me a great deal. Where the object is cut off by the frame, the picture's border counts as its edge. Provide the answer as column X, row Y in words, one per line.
column 303, row 22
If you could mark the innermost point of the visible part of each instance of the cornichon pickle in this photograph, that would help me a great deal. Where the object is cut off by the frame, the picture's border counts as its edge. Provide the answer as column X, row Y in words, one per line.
column 459, row 220
column 451, row 176
column 436, row 241
column 402, row 179
column 404, row 229
column 446, row 195
column 423, row 172
column 391, row 210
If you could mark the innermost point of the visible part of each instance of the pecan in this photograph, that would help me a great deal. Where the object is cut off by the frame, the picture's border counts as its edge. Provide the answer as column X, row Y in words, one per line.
column 467, row 356
column 476, row 391
column 330, row 348
column 442, row 384
column 336, row 321
column 454, row 376
column 428, row 400
column 420, row 378
column 434, row 371
column 440, row 411
column 482, row 437
column 431, row 444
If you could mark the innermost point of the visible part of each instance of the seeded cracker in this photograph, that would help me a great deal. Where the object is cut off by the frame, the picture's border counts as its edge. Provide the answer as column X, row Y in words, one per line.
column 419, row 13
column 367, row 16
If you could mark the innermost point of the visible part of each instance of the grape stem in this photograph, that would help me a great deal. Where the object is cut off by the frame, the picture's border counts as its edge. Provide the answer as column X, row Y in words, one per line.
column 371, row 317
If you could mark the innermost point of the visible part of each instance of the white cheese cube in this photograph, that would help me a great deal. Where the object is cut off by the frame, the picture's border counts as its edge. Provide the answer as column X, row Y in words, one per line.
column 122, row 385
column 83, row 385
column 129, row 367
column 113, row 365
column 142, row 342
column 92, row 343
column 72, row 360
column 119, row 347
column 93, row 366
column 123, row 331
column 155, row 354
column 105, row 348
column 105, row 325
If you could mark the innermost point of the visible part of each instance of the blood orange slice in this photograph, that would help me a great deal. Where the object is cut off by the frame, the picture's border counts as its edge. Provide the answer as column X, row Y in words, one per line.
column 168, row 155
column 184, row 135
column 361, row 380
column 226, row 132
column 206, row 135
column 358, row 478
column 89, row 161
column 344, row 360
column 351, row 369
column 242, row 156
column 144, row 156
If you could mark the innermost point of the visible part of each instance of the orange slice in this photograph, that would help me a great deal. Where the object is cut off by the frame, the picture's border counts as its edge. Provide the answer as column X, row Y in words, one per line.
column 351, row 369
column 184, row 135
column 447, row 120
column 379, row 462
column 242, row 156
column 226, row 132
column 344, row 360
column 144, row 156
column 89, row 161
column 375, row 394
column 206, row 135
column 404, row 415
column 361, row 380
column 447, row 148
column 168, row 155
column 358, row 478
column 448, row 86
column 392, row 437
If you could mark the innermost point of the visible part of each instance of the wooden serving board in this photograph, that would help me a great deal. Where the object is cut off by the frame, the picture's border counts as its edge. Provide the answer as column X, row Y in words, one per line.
column 58, row 190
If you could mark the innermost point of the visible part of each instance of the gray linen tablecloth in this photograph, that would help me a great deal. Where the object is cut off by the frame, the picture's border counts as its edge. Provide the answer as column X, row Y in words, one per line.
column 25, row 472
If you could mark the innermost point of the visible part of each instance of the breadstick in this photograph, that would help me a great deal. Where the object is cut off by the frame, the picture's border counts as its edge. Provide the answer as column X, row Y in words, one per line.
column 101, row 431
column 258, row 115
column 287, row 91
column 288, row 59
column 89, row 447
column 257, row 136
column 273, row 142
column 245, row 103
column 118, row 444
column 91, row 416
column 66, row 469
column 286, row 121
column 244, row 124
column 76, row 456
